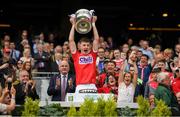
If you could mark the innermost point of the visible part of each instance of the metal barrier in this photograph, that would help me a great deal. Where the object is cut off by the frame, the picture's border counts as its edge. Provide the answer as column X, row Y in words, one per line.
column 43, row 75
column 42, row 83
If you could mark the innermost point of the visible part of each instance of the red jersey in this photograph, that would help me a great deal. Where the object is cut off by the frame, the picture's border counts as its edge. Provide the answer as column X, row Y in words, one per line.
column 118, row 62
column 108, row 89
column 85, row 67
column 171, row 76
column 176, row 85
column 103, row 78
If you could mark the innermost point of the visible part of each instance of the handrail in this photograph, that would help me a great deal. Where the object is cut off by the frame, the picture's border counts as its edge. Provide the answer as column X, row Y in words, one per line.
column 41, row 78
column 45, row 73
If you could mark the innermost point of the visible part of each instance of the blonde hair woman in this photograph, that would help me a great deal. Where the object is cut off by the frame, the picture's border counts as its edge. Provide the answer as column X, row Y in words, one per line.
column 27, row 56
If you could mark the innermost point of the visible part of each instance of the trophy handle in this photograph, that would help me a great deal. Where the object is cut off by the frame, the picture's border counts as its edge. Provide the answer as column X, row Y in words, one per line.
column 72, row 15
column 92, row 12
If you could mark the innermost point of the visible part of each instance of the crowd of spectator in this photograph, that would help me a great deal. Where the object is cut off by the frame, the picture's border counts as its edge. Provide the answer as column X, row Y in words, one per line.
column 127, row 70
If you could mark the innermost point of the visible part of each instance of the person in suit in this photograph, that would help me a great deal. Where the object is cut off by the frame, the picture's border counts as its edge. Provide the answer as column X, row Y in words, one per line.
column 55, row 64
column 15, row 54
column 41, row 59
column 25, row 87
column 62, row 83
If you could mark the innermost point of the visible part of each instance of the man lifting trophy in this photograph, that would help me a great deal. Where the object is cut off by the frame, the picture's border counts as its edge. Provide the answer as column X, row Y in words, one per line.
column 85, row 59
column 83, row 20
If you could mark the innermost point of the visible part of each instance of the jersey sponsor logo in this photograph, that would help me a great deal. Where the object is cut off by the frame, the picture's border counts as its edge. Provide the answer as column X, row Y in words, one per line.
column 85, row 59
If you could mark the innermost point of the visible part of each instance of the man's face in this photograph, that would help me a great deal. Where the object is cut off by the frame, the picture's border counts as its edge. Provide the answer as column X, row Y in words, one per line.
column 64, row 67
column 117, row 54
column 145, row 44
column 123, row 55
column 24, row 76
column 144, row 60
column 139, row 54
column 101, row 53
column 12, row 45
column 125, row 48
column 131, row 69
column 110, row 67
column 85, row 47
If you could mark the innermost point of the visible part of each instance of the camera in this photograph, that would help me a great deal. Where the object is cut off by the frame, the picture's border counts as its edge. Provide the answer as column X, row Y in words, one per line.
column 9, row 83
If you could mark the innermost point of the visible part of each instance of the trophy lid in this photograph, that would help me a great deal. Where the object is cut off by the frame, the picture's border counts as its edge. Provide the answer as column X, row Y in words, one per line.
column 85, row 11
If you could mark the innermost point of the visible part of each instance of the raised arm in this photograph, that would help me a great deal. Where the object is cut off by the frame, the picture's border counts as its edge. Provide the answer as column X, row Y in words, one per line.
column 121, row 73
column 72, row 44
column 135, row 75
column 12, row 105
column 96, row 35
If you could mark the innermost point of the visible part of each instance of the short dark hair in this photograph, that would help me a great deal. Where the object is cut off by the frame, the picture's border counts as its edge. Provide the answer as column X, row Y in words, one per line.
column 144, row 55
column 101, row 48
column 112, row 62
column 162, row 61
column 84, row 39
column 156, row 70
column 106, row 61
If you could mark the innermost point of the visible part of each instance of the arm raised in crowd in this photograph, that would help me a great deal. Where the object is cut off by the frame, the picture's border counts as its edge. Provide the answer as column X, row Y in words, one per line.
column 11, row 106
column 135, row 74
column 121, row 73
column 13, row 103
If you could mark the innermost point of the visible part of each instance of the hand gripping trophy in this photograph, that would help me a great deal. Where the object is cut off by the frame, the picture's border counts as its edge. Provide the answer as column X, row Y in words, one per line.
column 83, row 20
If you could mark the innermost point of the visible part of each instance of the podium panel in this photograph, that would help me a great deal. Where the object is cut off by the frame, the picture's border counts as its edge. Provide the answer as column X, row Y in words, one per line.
column 79, row 97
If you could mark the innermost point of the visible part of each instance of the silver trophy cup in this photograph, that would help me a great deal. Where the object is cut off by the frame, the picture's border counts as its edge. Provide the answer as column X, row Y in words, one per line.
column 83, row 20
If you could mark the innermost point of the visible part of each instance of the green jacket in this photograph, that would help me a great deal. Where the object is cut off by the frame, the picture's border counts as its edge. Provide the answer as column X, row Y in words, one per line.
column 164, row 93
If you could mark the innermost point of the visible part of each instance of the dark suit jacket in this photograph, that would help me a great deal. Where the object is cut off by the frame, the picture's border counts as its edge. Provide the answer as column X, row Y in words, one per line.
column 42, row 59
column 56, row 93
column 54, row 67
column 21, row 95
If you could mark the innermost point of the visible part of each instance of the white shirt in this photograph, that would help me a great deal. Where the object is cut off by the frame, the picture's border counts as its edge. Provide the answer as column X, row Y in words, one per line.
column 58, row 62
column 3, row 107
column 126, row 93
